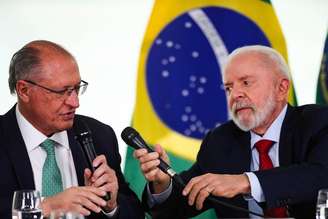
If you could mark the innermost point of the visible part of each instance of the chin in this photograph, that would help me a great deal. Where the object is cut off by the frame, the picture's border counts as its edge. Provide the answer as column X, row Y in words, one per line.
column 65, row 125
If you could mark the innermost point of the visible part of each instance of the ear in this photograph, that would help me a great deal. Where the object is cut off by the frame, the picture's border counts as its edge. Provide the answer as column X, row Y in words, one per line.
column 283, row 88
column 23, row 90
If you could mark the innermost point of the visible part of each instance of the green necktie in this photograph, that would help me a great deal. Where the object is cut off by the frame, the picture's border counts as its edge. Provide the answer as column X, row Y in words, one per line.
column 51, row 177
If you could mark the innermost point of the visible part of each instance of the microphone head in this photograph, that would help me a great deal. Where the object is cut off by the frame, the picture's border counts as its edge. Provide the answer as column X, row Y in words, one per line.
column 80, row 129
column 129, row 136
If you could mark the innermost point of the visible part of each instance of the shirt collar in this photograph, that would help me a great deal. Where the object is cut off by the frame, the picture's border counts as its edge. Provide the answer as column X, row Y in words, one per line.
column 273, row 132
column 33, row 137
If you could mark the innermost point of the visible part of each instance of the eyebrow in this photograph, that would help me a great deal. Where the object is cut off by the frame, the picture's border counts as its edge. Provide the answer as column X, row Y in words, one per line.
column 72, row 86
column 239, row 79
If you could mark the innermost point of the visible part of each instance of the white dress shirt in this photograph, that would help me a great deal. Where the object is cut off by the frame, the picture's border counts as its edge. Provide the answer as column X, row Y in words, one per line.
column 273, row 134
column 33, row 138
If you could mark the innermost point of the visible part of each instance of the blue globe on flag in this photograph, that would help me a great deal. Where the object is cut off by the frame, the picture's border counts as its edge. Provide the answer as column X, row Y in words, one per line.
column 184, row 67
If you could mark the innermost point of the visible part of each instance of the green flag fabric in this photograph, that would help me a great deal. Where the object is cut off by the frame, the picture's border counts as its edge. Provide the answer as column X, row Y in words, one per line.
column 322, row 91
column 180, row 94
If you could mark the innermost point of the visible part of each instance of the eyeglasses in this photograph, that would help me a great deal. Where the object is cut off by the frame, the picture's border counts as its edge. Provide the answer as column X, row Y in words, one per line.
column 65, row 93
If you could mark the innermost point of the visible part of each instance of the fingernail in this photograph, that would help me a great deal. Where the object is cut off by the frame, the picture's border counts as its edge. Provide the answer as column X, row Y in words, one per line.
column 184, row 193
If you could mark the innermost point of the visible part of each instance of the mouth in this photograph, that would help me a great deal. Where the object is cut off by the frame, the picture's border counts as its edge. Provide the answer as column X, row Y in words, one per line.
column 68, row 115
column 237, row 111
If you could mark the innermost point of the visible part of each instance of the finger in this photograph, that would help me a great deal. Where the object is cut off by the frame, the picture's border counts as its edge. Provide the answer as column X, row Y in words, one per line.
column 139, row 153
column 190, row 184
column 94, row 195
column 152, row 175
column 163, row 155
column 85, row 190
column 149, row 157
column 200, row 183
column 101, row 170
column 79, row 209
column 105, row 179
column 87, row 176
column 149, row 166
column 194, row 192
column 90, row 202
column 100, row 159
column 110, row 187
column 202, row 195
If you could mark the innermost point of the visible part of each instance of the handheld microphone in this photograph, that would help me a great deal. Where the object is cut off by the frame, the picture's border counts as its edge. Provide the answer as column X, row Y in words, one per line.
column 84, row 138
column 132, row 138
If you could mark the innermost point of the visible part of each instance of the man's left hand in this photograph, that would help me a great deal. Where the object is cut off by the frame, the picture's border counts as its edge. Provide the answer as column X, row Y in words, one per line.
column 104, row 178
column 222, row 185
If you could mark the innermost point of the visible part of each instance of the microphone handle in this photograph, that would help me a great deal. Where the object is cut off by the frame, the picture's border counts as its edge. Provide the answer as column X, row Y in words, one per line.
column 87, row 145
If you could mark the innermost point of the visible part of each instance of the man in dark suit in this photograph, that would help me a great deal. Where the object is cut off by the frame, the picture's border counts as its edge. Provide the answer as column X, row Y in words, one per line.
column 271, row 158
column 38, row 149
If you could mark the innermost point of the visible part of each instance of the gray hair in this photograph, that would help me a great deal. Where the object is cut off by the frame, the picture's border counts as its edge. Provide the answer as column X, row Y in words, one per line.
column 270, row 53
column 27, row 61
column 24, row 62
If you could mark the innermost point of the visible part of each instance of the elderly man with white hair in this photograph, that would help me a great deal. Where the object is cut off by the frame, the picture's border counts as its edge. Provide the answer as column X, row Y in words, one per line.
column 271, row 158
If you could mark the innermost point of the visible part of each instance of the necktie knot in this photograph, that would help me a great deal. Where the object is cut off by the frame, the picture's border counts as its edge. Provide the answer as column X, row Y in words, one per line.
column 49, row 146
column 263, row 146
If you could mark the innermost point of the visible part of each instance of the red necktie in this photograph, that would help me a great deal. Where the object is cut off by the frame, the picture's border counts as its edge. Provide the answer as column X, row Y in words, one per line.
column 263, row 147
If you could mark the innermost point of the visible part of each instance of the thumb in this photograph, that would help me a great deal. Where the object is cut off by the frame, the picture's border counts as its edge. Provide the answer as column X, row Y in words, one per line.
column 158, row 148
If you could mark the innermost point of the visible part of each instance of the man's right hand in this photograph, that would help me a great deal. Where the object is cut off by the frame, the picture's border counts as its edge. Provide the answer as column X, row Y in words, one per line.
column 83, row 200
column 148, row 164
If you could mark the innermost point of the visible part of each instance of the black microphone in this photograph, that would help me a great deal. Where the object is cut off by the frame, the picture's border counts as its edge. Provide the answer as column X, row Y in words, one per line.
column 84, row 138
column 132, row 138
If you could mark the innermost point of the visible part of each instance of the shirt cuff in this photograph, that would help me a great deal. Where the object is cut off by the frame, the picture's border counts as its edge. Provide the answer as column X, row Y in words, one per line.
column 110, row 214
column 159, row 198
column 256, row 189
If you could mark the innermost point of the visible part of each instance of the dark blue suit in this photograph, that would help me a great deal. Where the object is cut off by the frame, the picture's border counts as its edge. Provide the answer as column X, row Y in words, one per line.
column 303, row 170
column 16, row 170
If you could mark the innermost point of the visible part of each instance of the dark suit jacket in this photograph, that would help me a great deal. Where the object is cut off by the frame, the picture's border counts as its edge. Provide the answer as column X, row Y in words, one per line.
column 16, row 170
column 303, row 170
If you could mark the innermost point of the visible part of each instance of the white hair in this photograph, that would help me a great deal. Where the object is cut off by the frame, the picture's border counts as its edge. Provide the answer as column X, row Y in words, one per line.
column 270, row 53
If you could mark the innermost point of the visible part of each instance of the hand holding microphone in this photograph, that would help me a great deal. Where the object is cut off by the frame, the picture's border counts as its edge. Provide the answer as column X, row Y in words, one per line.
column 149, row 162
column 99, row 174
column 153, row 164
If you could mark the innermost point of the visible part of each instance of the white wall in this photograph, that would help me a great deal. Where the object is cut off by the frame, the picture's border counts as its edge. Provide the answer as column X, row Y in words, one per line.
column 105, row 36
column 305, row 26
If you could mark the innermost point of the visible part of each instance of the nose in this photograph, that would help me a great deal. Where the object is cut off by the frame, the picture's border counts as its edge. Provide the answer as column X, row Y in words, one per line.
column 73, row 100
column 236, row 93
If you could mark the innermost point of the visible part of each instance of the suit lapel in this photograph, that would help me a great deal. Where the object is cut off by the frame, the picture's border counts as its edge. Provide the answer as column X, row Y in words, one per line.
column 243, row 143
column 78, row 157
column 285, row 141
column 17, row 151
column 243, row 150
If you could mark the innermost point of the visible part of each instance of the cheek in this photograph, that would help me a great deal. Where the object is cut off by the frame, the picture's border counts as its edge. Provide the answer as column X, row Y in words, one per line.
column 51, row 109
column 230, row 102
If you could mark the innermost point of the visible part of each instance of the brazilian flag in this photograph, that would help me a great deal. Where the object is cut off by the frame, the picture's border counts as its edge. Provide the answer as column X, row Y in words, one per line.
column 322, row 91
column 180, row 94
